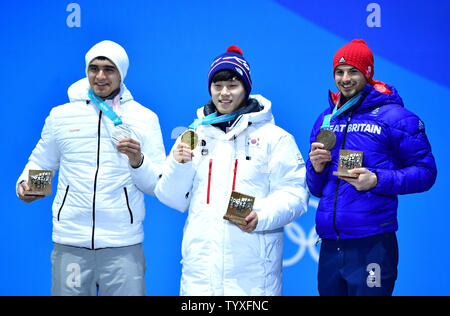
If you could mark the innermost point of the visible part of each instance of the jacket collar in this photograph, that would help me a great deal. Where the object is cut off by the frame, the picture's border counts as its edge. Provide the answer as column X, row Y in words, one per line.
column 79, row 90
column 374, row 95
column 264, row 115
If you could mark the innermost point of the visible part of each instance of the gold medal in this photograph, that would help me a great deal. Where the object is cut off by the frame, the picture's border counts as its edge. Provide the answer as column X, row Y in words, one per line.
column 190, row 138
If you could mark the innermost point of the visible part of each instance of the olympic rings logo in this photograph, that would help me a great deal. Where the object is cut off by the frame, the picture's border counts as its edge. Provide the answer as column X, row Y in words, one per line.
column 297, row 235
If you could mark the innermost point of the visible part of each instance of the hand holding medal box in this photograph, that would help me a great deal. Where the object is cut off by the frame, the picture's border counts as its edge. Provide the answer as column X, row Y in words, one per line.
column 348, row 160
column 40, row 182
column 239, row 207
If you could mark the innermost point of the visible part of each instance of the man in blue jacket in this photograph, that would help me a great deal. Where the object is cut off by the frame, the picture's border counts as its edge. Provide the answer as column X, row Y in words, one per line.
column 357, row 217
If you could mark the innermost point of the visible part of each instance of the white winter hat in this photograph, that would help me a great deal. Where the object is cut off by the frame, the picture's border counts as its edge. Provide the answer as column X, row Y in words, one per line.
column 113, row 52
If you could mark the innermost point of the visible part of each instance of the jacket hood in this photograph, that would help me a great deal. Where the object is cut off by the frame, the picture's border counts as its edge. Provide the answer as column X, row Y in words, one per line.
column 80, row 89
column 376, row 95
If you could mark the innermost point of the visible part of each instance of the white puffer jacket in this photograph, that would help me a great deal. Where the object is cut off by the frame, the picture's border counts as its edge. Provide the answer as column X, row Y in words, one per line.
column 99, row 202
column 218, row 257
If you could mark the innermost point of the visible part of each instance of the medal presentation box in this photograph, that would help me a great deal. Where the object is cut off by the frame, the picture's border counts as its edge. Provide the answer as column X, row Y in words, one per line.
column 40, row 182
column 349, row 159
column 239, row 207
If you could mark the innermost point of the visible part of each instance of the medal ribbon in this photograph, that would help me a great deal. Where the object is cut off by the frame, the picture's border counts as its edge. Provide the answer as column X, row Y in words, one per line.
column 104, row 107
column 214, row 119
column 342, row 109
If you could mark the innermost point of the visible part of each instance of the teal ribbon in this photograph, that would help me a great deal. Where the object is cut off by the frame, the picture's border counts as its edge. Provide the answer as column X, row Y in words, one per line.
column 215, row 118
column 104, row 107
column 336, row 112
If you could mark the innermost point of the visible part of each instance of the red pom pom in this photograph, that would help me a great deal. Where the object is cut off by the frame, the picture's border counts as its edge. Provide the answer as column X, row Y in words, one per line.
column 234, row 49
column 358, row 41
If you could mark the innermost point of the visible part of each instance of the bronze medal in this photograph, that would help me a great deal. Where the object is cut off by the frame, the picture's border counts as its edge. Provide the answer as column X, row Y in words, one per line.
column 327, row 138
column 190, row 138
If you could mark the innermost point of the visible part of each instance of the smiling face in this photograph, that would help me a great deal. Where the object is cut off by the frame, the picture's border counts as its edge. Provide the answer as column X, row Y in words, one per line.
column 104, row 77
column 228, row 96
column 349, row 80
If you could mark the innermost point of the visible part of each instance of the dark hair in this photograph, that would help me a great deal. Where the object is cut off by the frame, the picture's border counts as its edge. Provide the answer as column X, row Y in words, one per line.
column 225, row 75
column 101, row 58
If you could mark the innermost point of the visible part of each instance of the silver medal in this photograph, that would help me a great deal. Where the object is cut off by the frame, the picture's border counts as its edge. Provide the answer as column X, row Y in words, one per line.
column 120, row 132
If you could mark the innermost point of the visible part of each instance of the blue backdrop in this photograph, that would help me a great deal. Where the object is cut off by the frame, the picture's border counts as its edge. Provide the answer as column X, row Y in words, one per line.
column 171, row 44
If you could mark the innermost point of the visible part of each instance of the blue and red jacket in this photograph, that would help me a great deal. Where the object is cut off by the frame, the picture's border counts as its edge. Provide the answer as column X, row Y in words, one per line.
column 395, row 147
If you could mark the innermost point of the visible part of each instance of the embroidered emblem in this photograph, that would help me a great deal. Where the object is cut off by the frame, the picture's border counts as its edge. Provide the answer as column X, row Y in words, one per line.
column 253, row 142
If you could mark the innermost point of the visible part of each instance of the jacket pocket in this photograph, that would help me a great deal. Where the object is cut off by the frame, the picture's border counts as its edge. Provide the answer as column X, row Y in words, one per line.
column 62, row 204
column 128, row 205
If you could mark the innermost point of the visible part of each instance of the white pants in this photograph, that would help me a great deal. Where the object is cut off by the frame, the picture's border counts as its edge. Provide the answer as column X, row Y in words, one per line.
column 106, row 272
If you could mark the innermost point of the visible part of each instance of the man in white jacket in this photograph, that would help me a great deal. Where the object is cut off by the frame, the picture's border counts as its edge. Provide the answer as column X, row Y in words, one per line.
column 242, row 151
column 109, row 152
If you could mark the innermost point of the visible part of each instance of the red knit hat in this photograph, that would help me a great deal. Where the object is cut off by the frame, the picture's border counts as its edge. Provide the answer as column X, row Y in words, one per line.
column 357, row 54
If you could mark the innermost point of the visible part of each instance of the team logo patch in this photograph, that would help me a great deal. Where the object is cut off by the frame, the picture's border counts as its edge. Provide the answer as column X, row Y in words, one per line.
column 375, row 112
column 421, row 125
column 299, row 159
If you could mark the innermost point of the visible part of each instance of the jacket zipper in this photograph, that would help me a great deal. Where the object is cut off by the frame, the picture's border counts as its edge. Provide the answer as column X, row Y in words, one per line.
column 95, row 180
column 343, row 146
column 64, row 200
column 339, row 180
column 209, row 182
column 128, row 205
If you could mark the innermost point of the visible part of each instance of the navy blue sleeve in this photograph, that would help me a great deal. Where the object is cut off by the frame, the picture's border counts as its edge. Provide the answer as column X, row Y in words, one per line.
column 413, row 150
